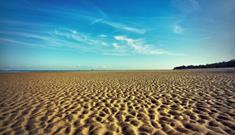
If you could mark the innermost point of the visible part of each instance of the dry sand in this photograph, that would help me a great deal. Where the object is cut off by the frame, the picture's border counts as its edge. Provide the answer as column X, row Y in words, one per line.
column 141, row 102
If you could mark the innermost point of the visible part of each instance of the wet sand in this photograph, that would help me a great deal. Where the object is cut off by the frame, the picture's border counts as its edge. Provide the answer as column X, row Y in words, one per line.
column 124, row 102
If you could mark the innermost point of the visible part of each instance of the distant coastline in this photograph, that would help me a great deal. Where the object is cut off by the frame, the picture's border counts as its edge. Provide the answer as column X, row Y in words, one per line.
column 28, row 71
column 88, row 70
column 227, row 64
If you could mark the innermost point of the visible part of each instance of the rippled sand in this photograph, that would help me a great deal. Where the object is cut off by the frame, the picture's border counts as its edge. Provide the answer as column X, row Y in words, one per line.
column 141, row 102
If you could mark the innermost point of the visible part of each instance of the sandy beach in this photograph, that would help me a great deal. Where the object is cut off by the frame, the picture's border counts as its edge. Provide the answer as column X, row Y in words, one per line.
column 114, row 103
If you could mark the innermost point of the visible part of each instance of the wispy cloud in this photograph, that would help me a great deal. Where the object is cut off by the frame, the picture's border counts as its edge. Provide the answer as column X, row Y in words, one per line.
column 186, row 6
column 95, row 20
column 178, row 29
column 88, row 43
column 138, row 46
column 8, row 41
column 102, row 35
column 98, row 16
column 115, row 54
column 72, row 39
column 117, row 25
column 116, row 46
column 26, row 35
column 96, row 8
column 120, row 46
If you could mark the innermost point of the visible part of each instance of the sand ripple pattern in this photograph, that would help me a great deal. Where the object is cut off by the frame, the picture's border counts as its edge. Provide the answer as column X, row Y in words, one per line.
column 115, row 103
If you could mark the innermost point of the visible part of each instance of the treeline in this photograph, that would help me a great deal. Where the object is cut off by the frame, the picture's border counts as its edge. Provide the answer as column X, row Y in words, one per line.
column 227, row 64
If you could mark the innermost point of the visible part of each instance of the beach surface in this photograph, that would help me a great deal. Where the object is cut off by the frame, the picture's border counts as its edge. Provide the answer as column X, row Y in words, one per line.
column 118, row 102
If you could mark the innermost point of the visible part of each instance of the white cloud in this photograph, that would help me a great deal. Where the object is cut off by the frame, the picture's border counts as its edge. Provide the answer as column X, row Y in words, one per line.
column 8, row 41
column 186, row 6
column 178, row 29
column 96, row 8
column 103, row 35
column 116, row 46
column 117, row 25
column 140, row 47
column 115, row 54
column 26, row 35
column 119, row 37
column 72, row 35
column 104, row 43
column 123, row 38
column 124, row 27
column 74, row 31
column 74, row 40
column 81, row 38
column 96, row 21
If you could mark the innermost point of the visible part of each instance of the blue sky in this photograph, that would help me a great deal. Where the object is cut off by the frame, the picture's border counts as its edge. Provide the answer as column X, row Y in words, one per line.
column 115, row 34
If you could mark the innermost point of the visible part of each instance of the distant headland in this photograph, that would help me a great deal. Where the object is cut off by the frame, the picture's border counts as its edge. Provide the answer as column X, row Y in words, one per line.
column 223, row 64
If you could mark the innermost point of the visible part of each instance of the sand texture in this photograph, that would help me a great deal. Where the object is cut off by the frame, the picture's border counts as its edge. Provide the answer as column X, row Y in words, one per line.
column 107, row 103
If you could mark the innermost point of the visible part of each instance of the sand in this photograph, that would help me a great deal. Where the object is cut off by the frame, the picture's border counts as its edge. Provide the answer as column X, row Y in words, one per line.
column 106, row 103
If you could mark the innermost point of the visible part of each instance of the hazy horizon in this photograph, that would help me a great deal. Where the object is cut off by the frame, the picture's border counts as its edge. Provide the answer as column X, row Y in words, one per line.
column 115, row 35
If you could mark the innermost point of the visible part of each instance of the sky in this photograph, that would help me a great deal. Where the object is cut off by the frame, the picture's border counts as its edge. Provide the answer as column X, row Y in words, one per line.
column 115, row 34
